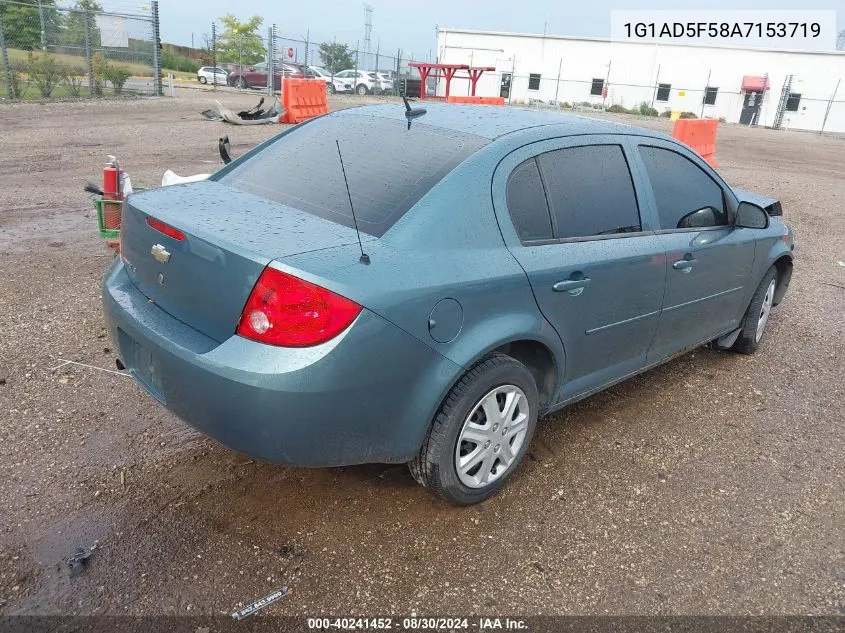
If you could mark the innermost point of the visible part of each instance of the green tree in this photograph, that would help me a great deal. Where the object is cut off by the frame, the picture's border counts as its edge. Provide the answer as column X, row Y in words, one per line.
column 241, row 42
column 336, row 57
column 22, row 23
column 73, row 33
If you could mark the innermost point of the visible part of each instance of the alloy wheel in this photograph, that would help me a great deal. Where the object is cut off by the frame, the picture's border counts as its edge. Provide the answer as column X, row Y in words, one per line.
column 491, row 436
column 765, row 310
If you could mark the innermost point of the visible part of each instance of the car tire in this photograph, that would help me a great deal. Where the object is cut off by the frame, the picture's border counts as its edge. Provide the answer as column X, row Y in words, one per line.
column 361, row 89
column 329, row 89
column 203, row 80
column 450, row 438
column 242, row 83
column 757, row 316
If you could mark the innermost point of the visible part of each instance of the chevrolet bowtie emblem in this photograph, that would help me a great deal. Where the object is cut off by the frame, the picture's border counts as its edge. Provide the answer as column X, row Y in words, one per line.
column 160, row 253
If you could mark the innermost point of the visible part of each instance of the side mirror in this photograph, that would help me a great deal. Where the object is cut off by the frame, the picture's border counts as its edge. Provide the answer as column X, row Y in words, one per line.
column 751, row 216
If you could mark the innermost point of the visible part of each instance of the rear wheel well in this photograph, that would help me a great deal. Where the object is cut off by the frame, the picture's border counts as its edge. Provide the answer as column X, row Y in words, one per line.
column 539, row 361
column 784, row 268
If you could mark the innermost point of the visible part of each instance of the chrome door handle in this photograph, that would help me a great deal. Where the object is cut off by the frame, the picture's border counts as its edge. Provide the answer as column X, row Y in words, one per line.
column 571, row 284
column 683, row 264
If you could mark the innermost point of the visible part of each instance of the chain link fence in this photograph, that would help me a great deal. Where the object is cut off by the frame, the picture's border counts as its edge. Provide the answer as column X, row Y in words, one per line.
column 780, row 107
column 53, row 52
column 248, row 61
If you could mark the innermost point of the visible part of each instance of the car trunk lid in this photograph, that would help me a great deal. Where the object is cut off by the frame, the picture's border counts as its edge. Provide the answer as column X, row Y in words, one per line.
column 205, row 278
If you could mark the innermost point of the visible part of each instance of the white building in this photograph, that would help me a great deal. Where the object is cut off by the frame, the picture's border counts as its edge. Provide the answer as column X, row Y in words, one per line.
column 709, row 81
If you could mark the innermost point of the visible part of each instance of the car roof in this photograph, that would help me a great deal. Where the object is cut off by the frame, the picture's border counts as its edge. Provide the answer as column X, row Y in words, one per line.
column 493, row 122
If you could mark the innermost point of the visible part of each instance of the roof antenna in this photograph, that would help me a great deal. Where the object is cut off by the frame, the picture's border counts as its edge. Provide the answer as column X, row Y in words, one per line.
column 411, row 113
column 365, row 259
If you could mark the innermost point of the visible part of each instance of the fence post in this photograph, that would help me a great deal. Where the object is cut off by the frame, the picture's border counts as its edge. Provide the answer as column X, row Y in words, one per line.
column 398, row 67
column 157, row 87
column 355, row 82
column 513, row 79
column 829, row 104
column 214, row 55
column 6, row 70
column 606, row 88
column 377, row 85
column 89, row 64
column 704, row 96
column 656, row 84
column 41, row 17
column 557, row 86
column 270, row 63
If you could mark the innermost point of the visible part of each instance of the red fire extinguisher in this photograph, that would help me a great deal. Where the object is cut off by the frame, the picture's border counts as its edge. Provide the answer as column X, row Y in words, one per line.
column 112, row 176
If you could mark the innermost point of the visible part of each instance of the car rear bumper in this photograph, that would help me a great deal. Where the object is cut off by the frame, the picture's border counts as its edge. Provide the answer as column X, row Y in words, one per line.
column 366, row 396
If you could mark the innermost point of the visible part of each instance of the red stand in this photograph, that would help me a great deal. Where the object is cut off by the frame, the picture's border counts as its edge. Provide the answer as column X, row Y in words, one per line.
column 448, row 72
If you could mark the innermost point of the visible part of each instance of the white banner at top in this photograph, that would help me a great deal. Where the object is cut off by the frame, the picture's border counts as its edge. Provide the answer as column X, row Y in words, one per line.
column 113, row 31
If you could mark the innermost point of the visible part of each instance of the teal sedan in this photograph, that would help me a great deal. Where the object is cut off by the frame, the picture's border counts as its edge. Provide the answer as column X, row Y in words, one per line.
column 379, row 285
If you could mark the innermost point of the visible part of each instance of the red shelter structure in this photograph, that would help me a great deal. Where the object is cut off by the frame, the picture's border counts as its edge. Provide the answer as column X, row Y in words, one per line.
column 448, row 72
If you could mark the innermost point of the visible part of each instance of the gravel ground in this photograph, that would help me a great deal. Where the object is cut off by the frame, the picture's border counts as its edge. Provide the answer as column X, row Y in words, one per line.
column 711, row 485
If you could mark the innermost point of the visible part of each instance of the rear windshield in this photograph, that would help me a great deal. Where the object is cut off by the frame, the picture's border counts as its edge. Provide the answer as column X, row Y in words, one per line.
column 388, row 166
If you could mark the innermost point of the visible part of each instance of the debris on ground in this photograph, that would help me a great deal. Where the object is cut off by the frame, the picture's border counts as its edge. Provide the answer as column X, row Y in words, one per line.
column 78, row 562
column 253, row 116
column 248, row 610
column 211, row 115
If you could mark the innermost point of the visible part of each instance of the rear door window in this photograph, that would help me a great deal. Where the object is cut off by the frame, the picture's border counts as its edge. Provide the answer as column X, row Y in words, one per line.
column 389, row 168
column 685, row 195
column 590, row 191
column 527, row 203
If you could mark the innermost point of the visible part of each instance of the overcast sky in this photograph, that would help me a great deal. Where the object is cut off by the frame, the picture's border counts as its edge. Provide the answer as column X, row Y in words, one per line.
column 410, row 24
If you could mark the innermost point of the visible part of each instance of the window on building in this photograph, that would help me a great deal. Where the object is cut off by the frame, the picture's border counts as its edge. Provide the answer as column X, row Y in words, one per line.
column 590, row 191
column 663, row 92
column 534, row 81
column 793, row 101
column 686, row 197
column 710, row 95
column 527, row 203
column 597, row 87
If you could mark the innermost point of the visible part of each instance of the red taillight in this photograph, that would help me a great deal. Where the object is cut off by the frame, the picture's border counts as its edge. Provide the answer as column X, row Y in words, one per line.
column 287, row 311
column 168, row 230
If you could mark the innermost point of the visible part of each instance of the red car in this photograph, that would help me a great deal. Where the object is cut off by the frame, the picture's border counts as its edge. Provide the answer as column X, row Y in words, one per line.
column 256, row 76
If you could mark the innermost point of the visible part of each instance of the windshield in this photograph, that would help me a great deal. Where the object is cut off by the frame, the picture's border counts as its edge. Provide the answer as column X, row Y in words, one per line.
column 321, row 71
column 389, row 167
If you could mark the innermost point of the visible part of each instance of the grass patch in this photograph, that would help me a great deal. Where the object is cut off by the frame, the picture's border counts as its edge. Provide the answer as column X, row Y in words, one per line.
column 59, row 92
column 135, row 69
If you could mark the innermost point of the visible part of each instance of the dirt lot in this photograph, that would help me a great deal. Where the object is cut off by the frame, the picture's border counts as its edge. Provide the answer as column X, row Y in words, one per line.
column 714, row 484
